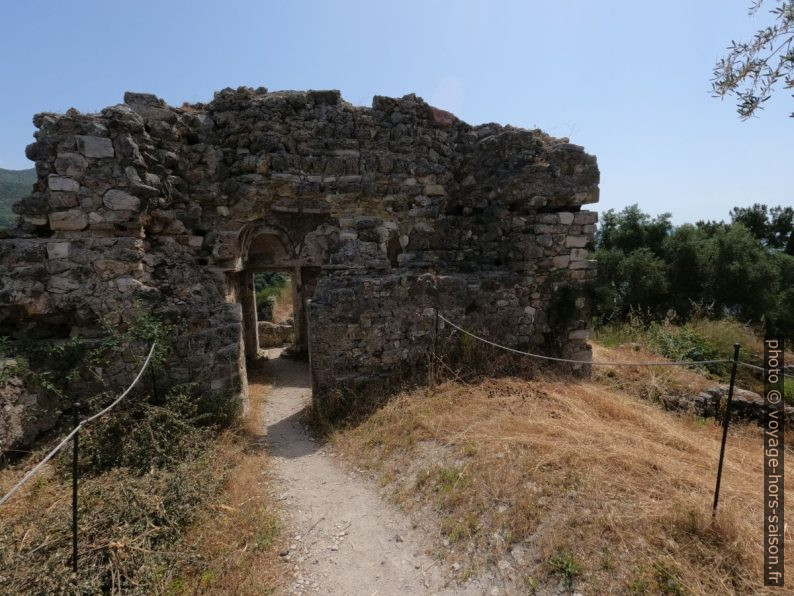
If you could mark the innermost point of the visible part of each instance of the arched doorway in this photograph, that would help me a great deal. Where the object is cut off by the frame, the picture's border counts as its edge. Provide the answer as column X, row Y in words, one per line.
column 267, row 248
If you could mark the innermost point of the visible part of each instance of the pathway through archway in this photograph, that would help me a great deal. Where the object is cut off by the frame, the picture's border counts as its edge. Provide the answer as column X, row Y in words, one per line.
column 344, row 538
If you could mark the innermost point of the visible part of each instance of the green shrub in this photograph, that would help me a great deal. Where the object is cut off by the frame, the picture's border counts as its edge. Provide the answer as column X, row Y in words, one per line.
column 565, row 566
column 141, row 436
column 146, row 470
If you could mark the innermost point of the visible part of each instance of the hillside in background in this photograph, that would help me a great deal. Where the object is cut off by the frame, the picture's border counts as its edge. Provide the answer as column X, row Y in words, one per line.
column 14, row 184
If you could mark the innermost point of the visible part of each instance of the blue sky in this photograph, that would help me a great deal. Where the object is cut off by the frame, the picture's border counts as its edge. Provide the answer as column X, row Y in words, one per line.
column 627, row 79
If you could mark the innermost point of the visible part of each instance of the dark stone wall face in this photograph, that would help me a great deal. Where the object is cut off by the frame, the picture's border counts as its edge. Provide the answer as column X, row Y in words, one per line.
column 402, row 207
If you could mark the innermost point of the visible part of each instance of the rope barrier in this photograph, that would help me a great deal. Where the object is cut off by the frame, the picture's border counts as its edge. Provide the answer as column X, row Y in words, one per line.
column 552, row 358
column 759, row 368
column 66, row 439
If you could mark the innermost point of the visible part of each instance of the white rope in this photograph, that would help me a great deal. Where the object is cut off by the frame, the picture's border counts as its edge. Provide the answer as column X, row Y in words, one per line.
column 542, row 357
column 754, row 367
column 60, row 445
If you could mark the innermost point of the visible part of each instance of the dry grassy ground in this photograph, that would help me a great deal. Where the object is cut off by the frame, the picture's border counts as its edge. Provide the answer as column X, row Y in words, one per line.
column 240, row 535
column 206, row 526
column 574, row 482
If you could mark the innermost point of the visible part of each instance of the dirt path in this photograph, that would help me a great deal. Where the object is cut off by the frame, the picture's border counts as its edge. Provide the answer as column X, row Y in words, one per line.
column 344, row 538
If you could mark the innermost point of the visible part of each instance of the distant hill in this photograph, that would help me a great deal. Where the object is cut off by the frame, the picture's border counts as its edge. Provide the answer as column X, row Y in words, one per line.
column 14, row 184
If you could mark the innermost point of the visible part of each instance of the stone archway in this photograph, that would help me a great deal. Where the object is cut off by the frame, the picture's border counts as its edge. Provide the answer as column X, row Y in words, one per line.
column 267, row 248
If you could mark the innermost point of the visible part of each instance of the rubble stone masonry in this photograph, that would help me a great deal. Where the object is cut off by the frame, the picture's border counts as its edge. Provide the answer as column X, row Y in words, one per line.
column 379, row 214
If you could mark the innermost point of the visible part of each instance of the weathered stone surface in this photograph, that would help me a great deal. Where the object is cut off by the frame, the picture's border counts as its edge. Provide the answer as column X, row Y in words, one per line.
column 58, row 250
column 73, row 219
column 108, row 268
column 71, row 164
column 24, row 411
column 576, row 241
column 711, row 403
column 97, row 147
column 378, row 214
column 579, row 334
column 63, row 183
column 275, row 335
column 118, row 200
column 565, row 217
column 60, row 284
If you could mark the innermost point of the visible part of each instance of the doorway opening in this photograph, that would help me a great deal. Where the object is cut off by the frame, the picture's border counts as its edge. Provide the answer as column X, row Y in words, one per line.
column 275, row 309
column 276, row 284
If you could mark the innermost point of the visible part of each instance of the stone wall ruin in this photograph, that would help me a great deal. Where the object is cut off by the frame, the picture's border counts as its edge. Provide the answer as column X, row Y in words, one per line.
column 379, row 214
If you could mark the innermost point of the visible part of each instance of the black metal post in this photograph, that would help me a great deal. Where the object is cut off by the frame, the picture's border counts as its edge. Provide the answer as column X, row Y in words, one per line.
column 726, row 421
column 435, row 336
column 154, row 383
column 75, row 447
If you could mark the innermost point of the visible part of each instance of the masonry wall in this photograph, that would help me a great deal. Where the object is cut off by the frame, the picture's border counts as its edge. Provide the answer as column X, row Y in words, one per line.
column 400, row 208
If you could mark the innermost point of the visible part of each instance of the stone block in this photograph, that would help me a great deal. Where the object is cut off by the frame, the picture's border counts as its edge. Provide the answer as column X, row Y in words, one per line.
column 95, row 147
column 62, row 200
column 579, row 254
column 585, row 217
column 73, row 219
column 58, row 250
column 579, row 334
column 62, row 183
column 108, row 268
column 575, row 241
column 119, row 200
column 582, row 264
column 566, row 217
column 60, row 284
column 275, row 335
column 70, row 164
column 126, row 285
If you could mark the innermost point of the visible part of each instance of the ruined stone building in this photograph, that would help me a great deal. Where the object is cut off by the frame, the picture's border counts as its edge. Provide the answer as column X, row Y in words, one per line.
column 380, row 215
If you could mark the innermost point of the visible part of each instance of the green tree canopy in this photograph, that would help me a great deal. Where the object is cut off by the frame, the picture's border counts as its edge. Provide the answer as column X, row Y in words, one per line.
column 738, row 268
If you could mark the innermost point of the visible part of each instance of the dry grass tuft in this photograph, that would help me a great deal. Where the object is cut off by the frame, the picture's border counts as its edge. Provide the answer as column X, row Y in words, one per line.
column 573, row 483
column 646, row 382
column 239, row 536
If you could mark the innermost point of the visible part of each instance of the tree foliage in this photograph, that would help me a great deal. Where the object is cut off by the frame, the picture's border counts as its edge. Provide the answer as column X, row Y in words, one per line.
column 773, row 227
column 752, row 70
column 740, row 269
